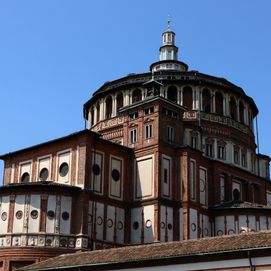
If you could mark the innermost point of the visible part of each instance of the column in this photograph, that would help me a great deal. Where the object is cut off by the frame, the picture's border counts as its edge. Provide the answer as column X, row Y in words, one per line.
column 224, row 105
column 181, row 102
column 114, row 106
column 213, row 109
column 102, row 109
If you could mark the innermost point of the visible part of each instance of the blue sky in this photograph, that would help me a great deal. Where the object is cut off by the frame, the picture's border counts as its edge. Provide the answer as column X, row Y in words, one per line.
column 54, row 54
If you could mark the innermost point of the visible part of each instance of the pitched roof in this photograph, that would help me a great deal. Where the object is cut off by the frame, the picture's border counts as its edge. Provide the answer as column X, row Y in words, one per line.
column 158, row 251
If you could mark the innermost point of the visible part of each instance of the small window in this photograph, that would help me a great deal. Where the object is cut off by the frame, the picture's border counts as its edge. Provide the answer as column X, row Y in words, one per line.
column 25, row 177
column 96, row 169
column 236, row 156
column 221, row 152
column 148, row 111
column 115, row 174
column 148, row 131
column 170, row 134
column 209, row 150
column 133, row 116
column 51, row 214
column 165, row 175
column 194, row 141
column 44, row 174
column 236, row 194
column 65, row 215
column 63, row 169
column 244, row 158
column 133, row 136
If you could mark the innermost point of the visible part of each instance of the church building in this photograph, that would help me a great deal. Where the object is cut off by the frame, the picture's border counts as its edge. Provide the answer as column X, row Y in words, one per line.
column 167, row 155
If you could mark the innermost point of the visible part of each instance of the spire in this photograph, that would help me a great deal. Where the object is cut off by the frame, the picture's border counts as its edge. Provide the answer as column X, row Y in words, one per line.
column 168, row 53
column 168, row 22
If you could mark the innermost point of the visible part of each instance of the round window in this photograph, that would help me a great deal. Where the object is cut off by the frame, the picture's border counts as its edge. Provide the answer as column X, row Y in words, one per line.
column 136, row 225
column 25, row 177
column 115, row 175
column 63, row 169
column 96, row 169
column 4, row 216
column 51, row 214
column 109, row 223
column 236, row 194
column 34, row 214
column 120, row 225
column 44, row 174
column 148, row 223
column 65, row 215
column 19, row 214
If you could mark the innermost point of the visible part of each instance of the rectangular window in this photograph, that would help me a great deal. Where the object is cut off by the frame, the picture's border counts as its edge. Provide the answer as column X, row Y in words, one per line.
column 244, row 159
column 133, row 116
column 170, row 134
column 148, row 111
column 236, row 156
column 165, row 175
column 194, row 141
column 133, row 136
column 221, row 152
column 148, row 131
column 209, row 150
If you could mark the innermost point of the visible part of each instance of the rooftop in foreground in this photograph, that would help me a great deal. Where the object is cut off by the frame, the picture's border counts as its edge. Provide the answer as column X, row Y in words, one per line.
column 159, row 252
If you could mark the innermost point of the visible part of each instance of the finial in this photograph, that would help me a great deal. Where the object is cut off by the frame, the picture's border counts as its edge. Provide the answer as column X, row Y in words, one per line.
column 168, row 21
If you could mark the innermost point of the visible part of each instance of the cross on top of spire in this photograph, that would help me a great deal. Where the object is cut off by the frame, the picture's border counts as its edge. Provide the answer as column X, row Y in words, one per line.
column 168, row 21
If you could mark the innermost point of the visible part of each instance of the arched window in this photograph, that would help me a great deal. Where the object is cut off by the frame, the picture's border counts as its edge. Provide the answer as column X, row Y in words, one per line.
column 137, row 96
column 206, row 100
column 98, row 112
column 241, row 112
column 172, row 94
column 233, row 110
column 108, row 107
column 219, row 103
column 187, row 97
column 119, row 101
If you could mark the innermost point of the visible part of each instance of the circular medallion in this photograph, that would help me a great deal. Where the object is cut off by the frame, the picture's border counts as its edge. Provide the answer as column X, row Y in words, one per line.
column 135, row 225
column 193, row 227
column 219, row 232
column 34, row 214
column 99, row 220
column 44, row 174
column 120, row 225
column 65, row 215
column 169, row 226
column 4, row 216
column 51, row 214
column 231, row 231
column 148, row 223
column 109, row 223
column 162, row 225
column 19, row 214
column 63, row 169
column 115, row 175
column 96, row 169
column 202, row 186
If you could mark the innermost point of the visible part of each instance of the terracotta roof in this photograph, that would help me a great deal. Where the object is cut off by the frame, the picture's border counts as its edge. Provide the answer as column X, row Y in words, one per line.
column 158, row 251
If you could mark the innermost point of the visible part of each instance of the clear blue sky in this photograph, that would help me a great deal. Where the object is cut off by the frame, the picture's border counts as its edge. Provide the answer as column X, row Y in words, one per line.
column 54, row 54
